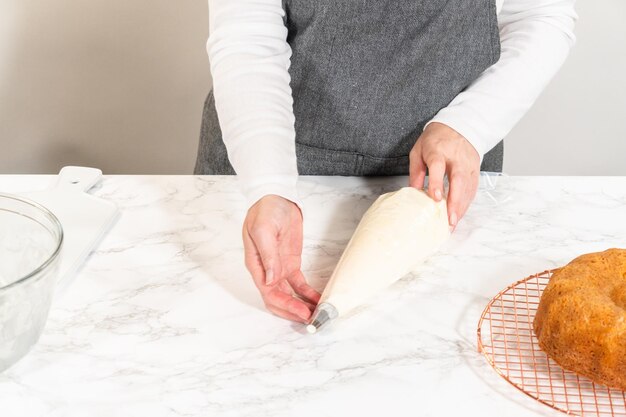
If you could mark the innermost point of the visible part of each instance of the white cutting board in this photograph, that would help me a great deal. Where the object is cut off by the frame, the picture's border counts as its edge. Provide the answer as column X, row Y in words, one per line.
column 85, row 219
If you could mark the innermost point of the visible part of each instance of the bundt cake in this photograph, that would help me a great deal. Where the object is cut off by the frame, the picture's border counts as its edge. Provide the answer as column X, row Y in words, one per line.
column 581, row 318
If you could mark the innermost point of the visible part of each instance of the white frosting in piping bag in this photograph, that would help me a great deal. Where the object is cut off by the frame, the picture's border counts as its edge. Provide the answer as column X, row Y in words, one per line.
column 398, row 232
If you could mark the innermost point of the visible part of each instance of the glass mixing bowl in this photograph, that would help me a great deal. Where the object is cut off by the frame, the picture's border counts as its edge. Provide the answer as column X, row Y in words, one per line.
column 30, row 243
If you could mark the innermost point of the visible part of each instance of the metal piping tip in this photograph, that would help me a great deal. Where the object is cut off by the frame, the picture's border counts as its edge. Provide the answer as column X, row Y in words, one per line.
column 323, row 314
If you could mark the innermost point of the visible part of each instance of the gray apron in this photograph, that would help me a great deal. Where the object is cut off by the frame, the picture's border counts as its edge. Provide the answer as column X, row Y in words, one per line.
column 367, row 75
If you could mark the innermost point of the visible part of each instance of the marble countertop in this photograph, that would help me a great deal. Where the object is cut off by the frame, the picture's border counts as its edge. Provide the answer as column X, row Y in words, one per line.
column 163, row 319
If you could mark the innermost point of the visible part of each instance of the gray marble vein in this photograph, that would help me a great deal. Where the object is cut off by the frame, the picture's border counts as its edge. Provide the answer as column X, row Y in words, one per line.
column 163, row 319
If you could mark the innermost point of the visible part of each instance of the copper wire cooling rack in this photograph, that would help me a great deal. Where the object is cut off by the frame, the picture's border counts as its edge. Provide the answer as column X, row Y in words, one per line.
column 507, row 339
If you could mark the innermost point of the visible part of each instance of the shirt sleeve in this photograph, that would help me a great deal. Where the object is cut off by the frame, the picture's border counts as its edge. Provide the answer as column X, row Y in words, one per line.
column 536, row 36
column 250, row 59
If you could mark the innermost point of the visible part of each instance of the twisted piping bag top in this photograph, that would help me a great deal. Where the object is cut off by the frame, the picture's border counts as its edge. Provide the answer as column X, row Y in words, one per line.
column 397, row 233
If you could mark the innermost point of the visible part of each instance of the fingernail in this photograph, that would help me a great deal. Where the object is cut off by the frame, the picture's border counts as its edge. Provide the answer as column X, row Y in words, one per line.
column 437, row 194
column 269, row 276
column 453, row 220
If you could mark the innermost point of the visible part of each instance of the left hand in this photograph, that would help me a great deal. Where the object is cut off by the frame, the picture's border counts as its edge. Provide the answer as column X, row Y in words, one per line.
column 272, row 241
column 444, row 151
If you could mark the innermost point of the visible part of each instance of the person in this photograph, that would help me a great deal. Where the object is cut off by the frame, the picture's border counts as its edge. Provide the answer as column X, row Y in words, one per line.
column 379, row 87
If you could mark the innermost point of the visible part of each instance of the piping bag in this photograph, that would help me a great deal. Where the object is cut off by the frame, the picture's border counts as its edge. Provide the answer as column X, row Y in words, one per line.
column 396, row 234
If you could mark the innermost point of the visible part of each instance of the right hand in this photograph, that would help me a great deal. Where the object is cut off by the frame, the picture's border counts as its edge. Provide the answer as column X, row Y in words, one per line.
column 272, row 240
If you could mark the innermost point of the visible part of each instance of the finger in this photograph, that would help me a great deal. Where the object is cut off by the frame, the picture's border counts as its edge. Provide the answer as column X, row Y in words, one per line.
column 253, row 260
column 436, row 172
column 285, row 314
column 417, row 168
column 286, row 288
column 288, row 303
column 457, row 197
column 265, row 240
column 303, row 289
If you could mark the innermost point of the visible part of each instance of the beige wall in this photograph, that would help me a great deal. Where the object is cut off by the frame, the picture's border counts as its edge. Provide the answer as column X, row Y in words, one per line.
column 578, row 126
column 116, row 84
column 119, row 85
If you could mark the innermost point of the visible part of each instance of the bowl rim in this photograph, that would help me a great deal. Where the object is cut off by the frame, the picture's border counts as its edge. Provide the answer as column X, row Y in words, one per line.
column 56, row 223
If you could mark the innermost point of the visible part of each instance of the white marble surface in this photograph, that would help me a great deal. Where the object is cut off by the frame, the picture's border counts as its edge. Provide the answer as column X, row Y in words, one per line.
column 163, row 320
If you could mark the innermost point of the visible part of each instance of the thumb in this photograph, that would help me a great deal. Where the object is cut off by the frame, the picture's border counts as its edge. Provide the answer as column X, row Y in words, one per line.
column 265, row 240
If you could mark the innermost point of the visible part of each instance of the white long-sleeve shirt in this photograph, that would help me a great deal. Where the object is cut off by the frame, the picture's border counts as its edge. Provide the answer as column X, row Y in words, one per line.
column 250, row 59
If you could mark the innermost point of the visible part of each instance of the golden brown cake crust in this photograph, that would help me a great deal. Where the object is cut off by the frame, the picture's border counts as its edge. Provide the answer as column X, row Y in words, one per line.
column 581, row 318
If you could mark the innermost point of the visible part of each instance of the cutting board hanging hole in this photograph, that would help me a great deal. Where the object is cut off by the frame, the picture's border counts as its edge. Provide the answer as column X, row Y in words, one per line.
column 78, row 178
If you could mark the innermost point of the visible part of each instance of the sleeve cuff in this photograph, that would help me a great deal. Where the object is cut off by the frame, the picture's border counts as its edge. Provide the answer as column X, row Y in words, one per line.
column 286, row 188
